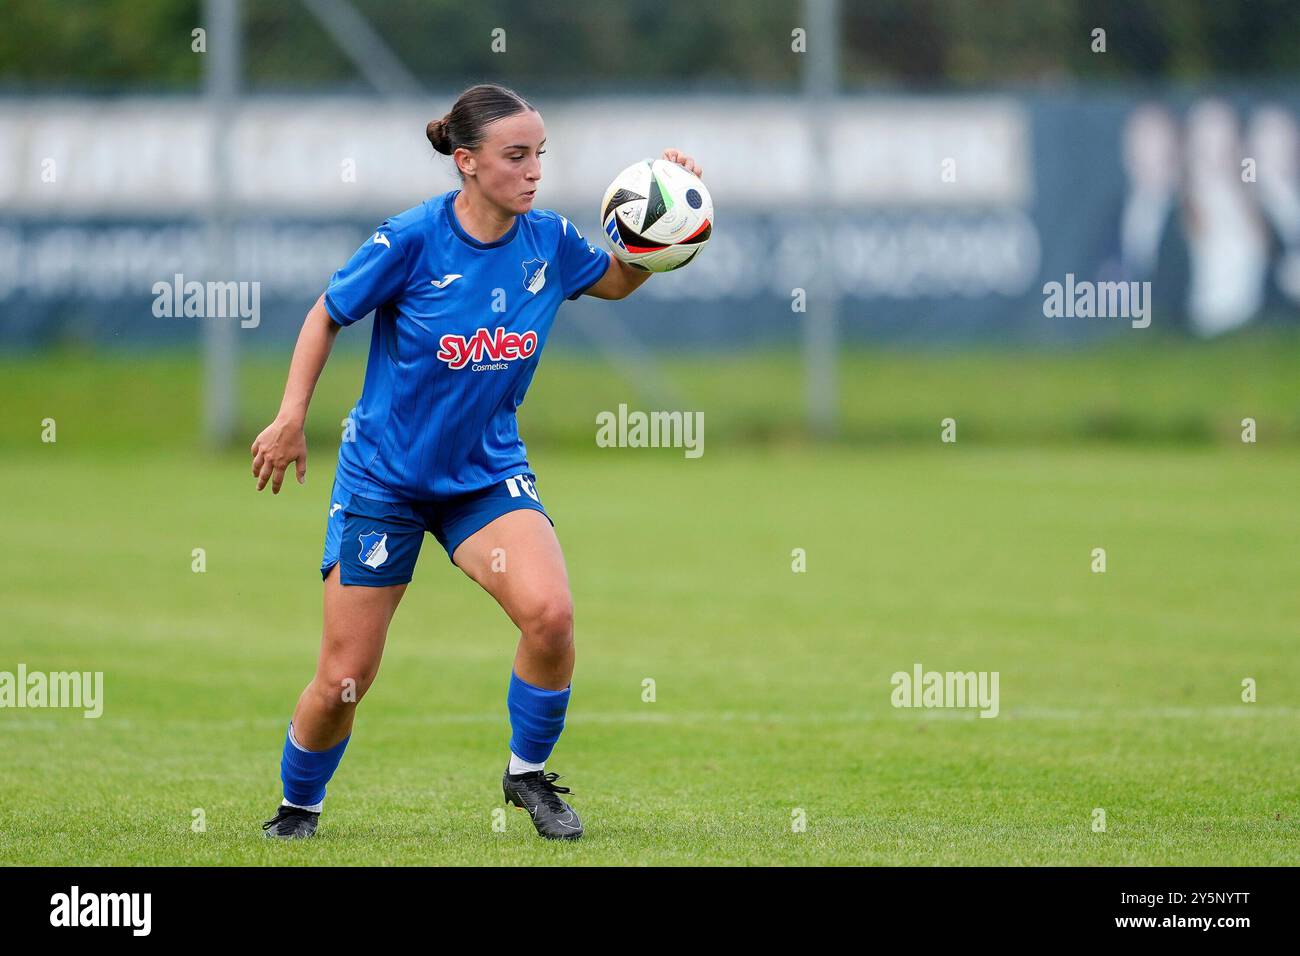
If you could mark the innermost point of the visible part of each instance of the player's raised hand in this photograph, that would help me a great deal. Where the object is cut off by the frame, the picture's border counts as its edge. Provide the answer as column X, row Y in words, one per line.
column 681, row 159
column 281, row 442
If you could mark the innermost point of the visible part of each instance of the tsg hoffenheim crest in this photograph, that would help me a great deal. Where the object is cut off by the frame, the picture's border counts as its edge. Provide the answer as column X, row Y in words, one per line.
column 534, row 275
column 374, row 551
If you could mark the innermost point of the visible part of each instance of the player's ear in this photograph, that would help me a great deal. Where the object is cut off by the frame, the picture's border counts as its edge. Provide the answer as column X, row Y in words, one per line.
column 466, row 167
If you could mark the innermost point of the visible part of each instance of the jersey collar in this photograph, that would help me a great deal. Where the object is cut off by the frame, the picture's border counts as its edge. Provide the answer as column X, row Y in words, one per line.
column 449, row 210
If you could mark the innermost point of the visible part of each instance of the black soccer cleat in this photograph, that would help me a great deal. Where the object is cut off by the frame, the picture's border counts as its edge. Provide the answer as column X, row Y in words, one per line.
column 291, row 823
column 537, row 793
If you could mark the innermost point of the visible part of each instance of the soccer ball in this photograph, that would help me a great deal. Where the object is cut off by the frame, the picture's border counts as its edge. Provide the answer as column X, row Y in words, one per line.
column 657, row 215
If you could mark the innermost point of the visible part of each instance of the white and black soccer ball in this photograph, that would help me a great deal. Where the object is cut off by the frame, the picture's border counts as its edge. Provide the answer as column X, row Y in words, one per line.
column 656, row 215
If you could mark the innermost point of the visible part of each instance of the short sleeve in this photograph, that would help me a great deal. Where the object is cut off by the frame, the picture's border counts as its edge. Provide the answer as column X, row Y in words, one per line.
column 375, row 274
column 581, row 263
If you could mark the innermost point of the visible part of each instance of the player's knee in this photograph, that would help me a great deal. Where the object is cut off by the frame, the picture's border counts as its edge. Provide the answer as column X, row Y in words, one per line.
column 341, row 688
column 549, row 623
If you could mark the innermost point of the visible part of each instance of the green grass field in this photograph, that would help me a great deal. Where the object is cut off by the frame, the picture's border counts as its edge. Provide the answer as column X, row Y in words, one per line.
column 1119, row 691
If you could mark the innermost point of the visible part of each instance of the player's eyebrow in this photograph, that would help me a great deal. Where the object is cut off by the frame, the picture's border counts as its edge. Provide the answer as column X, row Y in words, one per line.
column 520, row 146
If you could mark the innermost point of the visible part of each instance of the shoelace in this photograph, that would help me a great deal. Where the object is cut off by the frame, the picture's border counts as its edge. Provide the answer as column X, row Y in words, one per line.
column 282, row 812
column 546, row 784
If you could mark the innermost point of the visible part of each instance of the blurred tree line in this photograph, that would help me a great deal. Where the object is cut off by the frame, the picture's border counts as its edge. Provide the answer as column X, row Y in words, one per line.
column 672, row 45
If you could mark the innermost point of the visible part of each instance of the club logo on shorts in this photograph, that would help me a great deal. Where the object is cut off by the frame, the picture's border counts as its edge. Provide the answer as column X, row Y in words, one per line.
column 374, row 551
column 498, row 346
column 534, row 275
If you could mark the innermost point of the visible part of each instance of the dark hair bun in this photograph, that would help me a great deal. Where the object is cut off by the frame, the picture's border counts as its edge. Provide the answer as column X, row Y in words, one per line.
column 472, row 112
column 437, row 133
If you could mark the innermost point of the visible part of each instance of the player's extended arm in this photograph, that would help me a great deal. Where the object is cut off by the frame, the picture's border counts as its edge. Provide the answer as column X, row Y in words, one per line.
column 620, row 279
column 284, row 440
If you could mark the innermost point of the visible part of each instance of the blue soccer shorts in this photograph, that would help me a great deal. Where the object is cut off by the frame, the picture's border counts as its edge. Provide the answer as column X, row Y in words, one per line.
column 376, row 543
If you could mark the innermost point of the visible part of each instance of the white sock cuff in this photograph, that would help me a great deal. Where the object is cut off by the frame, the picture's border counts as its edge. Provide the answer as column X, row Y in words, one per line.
column 518, row 765
column 294, row 740
column 314, row 808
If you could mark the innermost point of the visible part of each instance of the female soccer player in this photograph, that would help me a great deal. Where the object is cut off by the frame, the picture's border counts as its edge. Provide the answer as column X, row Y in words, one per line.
column 464, row 288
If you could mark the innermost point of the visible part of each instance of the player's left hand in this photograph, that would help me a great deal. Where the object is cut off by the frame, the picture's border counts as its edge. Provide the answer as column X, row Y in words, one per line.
column 681, row 159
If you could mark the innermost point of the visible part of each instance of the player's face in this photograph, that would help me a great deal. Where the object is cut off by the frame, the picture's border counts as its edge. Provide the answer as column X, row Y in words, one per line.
column 510, row 161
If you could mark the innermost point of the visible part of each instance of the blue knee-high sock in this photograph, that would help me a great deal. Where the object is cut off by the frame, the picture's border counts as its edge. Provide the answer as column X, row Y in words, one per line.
column 536, row 718
column 305, row 772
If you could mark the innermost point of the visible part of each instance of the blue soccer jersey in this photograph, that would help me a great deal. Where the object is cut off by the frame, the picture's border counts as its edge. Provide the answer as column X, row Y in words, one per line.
column 459, row 328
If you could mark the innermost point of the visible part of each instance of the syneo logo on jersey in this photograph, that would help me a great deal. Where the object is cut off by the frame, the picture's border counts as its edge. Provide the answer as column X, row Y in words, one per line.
column 499, row 346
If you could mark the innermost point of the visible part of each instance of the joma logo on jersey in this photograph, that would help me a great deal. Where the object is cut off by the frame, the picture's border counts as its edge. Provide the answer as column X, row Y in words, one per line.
column 499, row 346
